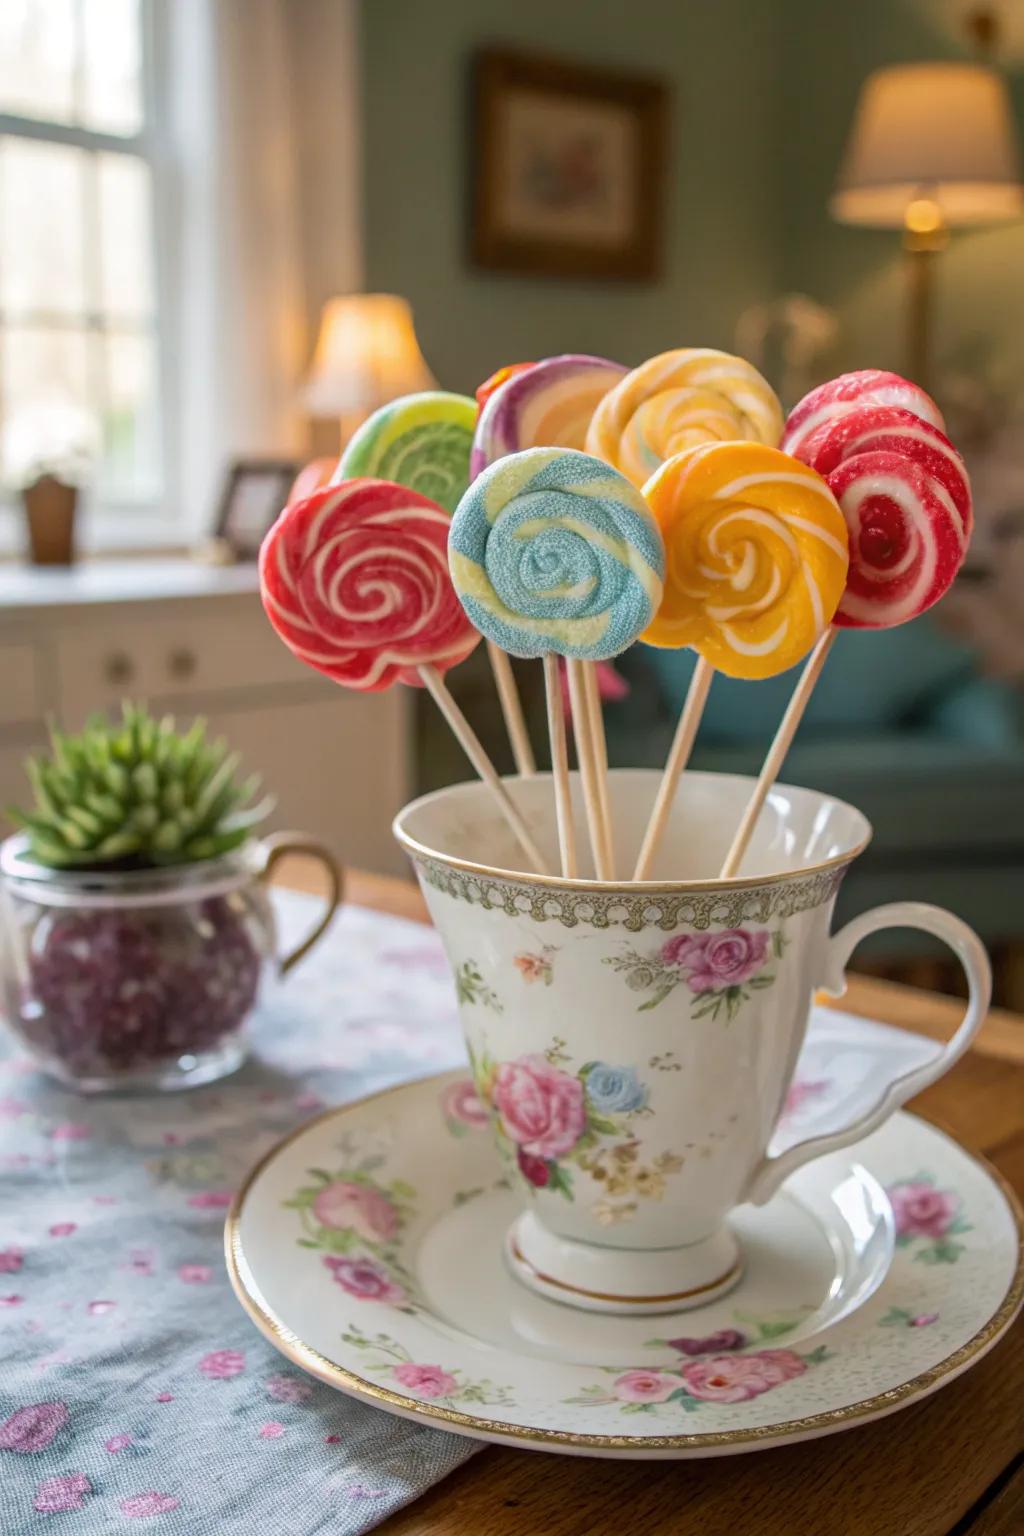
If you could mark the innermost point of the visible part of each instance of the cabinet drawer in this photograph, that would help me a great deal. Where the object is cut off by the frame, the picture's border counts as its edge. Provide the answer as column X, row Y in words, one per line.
column 20, row 700
column 170, row 657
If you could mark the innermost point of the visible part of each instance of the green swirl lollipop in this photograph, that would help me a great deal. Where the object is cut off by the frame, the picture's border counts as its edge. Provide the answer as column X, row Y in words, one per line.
column 419, row 441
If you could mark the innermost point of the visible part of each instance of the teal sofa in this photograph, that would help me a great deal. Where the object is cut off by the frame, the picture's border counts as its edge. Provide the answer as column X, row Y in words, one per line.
column 901, row 725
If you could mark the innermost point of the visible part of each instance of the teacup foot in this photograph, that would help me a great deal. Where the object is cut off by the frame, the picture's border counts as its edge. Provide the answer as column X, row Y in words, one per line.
column 627, row 1282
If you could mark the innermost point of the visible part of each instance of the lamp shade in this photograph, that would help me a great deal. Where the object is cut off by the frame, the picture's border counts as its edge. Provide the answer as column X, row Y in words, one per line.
column 942, row 132
column 366, row 354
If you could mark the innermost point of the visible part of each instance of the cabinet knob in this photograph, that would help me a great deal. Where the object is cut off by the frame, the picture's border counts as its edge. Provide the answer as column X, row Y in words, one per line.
column 118, row 667
column 181, row 663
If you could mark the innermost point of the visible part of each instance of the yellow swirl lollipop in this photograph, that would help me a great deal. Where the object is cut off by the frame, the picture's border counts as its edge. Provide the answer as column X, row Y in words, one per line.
column 756, row 556
column 678, row 400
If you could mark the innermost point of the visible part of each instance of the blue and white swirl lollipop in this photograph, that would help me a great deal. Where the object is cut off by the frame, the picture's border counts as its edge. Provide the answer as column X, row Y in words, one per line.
column 551, row 550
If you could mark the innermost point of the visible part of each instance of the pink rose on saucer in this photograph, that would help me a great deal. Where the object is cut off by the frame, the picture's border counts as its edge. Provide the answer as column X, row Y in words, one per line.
column 737, row 1378
column 426, row 1380
column 712, row 1344
column 921, row 1210
column 33, row 1428
column 460, row 1102
column 541, row 1108
column 360, row 1208
column 726, row 959
column 642, row 1386
column 367, row 1280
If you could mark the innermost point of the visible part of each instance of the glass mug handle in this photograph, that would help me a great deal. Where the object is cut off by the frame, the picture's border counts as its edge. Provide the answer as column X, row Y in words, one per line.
column 278, row 846
column 970, row 951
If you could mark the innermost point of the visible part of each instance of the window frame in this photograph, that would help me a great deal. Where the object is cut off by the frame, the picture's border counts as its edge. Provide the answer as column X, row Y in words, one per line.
column 119, row 522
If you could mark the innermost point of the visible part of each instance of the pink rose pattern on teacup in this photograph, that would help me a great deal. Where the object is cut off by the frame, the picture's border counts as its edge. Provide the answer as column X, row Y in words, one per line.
column 425, row 1381
column 541, row 1108
column 720, row 970
column 927, row 1219
column 720, row 1378
column 548, row 1117
column 356, row 1222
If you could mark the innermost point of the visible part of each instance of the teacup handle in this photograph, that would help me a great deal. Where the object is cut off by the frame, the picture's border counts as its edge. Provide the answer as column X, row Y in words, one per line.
column 278, row 846
column 971, row 953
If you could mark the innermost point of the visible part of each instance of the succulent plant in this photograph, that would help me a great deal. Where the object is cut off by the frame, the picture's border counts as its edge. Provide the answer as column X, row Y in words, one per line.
column 136, row 792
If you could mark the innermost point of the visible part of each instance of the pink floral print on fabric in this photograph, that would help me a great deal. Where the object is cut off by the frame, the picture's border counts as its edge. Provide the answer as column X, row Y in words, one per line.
column 33, row 1428
column 57, row 1495
column 222, row 1364
column 141, row 1505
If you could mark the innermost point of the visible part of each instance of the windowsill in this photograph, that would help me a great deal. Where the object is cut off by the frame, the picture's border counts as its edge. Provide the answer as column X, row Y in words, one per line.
column 119, row 581
column 125, row 531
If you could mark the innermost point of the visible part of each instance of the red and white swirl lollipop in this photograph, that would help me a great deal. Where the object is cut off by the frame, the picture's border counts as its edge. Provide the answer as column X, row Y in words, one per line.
column 850, row 391
column 355, row 581
column 904, row 492
column 878, row 440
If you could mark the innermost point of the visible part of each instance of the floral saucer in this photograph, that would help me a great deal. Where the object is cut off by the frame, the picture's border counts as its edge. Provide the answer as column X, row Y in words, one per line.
column 368, row 1247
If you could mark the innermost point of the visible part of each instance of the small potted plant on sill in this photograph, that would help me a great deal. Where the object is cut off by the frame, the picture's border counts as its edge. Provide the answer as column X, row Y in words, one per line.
column 50, row 452
column 137, row 927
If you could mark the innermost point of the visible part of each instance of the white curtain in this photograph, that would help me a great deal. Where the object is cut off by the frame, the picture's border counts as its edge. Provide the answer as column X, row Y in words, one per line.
column 255, row 225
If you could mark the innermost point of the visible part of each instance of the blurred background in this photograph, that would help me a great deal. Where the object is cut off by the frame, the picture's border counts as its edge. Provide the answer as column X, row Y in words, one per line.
column 229, row 229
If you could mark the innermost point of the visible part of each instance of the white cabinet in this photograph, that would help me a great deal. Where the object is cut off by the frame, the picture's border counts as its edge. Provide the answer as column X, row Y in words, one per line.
column 190, row 640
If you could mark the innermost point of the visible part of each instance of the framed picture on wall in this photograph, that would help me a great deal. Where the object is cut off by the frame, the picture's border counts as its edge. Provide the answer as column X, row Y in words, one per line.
column 255, row 491
column 568, row 178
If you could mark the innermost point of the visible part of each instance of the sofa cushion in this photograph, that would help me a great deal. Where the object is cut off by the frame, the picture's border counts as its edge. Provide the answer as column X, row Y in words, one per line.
column 873, row 679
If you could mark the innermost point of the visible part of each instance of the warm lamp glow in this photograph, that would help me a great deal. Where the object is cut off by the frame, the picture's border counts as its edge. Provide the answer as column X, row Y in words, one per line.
column 932, row 146
column 366, row 354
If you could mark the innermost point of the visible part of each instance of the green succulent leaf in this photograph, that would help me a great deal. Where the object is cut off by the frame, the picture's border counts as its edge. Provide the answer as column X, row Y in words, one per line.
column 136, row 791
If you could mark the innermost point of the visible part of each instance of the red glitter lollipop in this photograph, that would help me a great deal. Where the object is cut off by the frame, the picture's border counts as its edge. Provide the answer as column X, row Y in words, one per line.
column 904, row 492
column 867, row 386
column 355, row 581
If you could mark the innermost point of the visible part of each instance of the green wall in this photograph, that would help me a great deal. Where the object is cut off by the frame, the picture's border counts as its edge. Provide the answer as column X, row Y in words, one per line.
column 723, row 216
column 979, row 279
column 764, row 92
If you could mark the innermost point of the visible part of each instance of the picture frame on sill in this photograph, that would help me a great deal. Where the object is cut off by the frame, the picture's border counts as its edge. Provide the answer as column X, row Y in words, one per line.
column 255, row 492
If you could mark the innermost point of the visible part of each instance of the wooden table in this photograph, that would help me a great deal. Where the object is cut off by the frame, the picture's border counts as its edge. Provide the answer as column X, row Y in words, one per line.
column 952, row 1464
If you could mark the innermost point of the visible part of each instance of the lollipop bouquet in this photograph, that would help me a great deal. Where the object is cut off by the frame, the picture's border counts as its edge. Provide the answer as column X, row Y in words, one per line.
column 576, row 507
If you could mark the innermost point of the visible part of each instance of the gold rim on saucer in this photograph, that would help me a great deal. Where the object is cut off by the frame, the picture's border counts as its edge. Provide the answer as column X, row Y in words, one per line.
column 308, row 1359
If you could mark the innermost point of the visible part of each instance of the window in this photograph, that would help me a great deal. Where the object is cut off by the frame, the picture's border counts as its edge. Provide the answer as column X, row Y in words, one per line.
column 78, row 310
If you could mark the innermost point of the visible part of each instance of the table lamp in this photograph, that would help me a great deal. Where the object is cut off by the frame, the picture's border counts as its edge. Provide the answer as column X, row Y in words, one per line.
column 366, row 354
column 932, row 148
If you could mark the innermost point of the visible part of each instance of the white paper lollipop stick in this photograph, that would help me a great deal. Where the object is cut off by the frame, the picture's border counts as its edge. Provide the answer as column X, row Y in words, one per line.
column 678, row 757
column 584, row 737
column 560, row 766
column 596, row 721
column 512, row 710
column 470, row 744
column 777, row 751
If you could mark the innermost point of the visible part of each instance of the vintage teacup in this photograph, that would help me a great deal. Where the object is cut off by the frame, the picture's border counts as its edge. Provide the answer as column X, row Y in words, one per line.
column 634, row 1044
